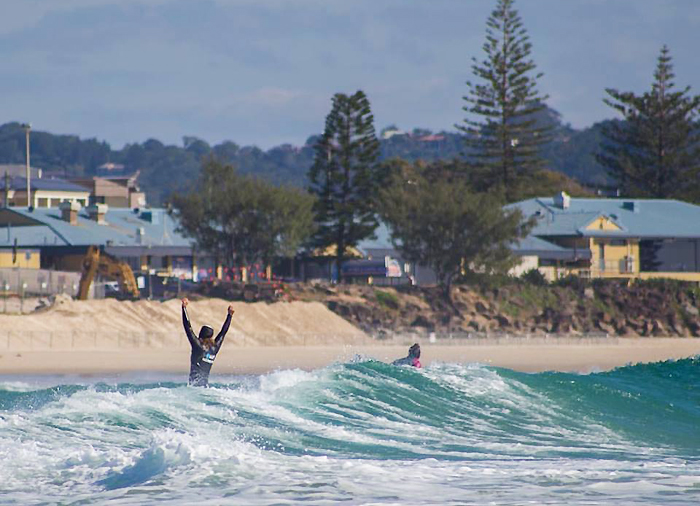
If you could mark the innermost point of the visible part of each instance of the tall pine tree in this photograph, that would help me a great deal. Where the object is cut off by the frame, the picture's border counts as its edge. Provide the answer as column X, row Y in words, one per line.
column 504, row 143
column 655, row 152
column 343, row 177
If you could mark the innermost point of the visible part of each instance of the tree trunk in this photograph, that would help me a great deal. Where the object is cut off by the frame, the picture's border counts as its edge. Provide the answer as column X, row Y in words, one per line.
column 447, row 287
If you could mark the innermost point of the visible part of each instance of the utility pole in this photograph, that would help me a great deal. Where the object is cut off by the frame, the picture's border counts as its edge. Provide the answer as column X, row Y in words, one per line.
column 27, row 128
column 7, row 190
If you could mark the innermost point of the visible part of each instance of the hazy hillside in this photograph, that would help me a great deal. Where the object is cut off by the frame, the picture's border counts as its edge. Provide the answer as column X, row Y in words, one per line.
column 168, row 168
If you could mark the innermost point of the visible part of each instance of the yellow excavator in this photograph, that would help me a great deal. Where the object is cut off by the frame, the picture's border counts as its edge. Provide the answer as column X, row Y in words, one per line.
column 99, row 262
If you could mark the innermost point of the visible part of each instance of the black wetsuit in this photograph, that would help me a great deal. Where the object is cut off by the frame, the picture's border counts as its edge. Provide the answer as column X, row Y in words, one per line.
column 411, row 360
column 202, row 359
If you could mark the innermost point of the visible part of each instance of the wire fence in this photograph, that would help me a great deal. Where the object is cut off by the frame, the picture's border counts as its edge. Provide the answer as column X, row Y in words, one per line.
column 15, row 282
column 26, row 290
column 24, row 340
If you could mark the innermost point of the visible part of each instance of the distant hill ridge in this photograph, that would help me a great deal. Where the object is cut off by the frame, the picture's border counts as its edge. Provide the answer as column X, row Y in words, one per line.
column 168, row 168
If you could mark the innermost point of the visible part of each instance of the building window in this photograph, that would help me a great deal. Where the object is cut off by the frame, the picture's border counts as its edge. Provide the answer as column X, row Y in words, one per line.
column 55, row 202
column 42, row 202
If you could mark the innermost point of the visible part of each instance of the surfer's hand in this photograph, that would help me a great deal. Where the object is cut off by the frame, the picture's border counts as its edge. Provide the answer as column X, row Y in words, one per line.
column 230, row 310
column 185, row 301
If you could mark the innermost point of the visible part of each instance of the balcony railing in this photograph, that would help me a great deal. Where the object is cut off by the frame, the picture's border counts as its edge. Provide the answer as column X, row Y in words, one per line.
column 622, row 266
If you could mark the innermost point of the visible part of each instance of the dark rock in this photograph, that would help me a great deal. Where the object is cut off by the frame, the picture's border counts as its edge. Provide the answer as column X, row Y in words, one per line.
column 480, row 307
column 422, row 321
column 502, row 320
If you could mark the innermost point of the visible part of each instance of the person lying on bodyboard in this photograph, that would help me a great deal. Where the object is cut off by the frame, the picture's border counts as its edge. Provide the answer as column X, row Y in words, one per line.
column 412, row 359
column 204, row 347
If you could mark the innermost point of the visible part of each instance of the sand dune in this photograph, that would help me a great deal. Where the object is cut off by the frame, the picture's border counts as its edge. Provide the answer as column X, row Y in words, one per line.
column 256, row 323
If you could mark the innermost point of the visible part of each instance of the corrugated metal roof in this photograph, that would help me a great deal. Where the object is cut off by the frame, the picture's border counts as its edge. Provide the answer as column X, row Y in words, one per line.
column 652, row 218
column 532, row 245
column 121, row 229
column 20, row 183
column 30, row 236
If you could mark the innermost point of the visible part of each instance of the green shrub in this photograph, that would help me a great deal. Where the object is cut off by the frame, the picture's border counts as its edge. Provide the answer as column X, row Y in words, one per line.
column 665, row 284
column 387, row 299
column 534, row 277
column 572, row 281
column 538, row 297
column 487, row 281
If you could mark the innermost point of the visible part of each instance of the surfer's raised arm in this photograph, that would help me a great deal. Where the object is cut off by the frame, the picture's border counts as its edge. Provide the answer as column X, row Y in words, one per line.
column 220, row 337
column 186, row 322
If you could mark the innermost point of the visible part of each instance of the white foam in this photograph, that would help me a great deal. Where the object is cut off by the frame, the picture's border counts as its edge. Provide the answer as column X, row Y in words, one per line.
column 247, row 445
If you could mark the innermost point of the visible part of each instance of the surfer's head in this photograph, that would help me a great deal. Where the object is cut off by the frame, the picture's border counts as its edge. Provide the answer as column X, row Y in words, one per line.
column 414, row 351
column 205, row 336
column 206, row 332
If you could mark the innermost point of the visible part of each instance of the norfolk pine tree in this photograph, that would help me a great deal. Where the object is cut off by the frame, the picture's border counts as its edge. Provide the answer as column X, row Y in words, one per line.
column 343, row 177
column 504, row 144
column 655, row 151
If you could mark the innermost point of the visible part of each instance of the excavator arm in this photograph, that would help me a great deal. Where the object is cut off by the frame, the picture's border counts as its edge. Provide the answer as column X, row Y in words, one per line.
column 98, row 262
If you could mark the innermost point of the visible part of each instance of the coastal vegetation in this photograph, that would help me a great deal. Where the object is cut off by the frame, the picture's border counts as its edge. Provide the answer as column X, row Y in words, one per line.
column 344, row 178
column 443, row 205
column 502, row 132
column 499, row 305
column 437, row 219
column 242, row 218
column 655, row 152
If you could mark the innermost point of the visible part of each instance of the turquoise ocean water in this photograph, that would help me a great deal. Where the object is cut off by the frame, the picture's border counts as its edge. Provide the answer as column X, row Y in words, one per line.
column 357, row 433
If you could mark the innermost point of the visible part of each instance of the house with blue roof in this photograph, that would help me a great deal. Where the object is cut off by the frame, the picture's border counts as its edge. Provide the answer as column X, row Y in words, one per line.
column 44, row 192
column 147, row 239
column 612, row 238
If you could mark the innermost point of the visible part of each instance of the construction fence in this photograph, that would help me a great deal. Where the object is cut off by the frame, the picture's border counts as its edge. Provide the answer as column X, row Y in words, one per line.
column 20, row 289
column 16, row 282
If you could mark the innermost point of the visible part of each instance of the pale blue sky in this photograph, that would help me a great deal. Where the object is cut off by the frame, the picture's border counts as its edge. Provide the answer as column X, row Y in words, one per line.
column 263, row 71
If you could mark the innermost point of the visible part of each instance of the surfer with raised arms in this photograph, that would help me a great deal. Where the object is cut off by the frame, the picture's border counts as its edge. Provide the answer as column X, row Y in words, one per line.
column 412, row 359
column 204, row 347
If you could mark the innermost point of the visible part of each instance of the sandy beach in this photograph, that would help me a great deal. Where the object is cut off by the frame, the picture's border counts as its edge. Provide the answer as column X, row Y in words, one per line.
column 519, row 354
column 111, row 337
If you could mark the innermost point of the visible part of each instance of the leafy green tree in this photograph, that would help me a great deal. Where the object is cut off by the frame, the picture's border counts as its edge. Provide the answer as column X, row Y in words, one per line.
column 503, row 135
column 344, row 176
column 437, row 220
column 241, row 218
column 655, row 152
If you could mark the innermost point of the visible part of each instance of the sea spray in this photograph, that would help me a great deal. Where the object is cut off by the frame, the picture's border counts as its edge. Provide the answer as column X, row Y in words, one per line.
column 360, row 432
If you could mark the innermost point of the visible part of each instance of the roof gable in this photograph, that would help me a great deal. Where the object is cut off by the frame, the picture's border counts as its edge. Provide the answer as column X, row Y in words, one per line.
column 603, row 223
column 640, row 218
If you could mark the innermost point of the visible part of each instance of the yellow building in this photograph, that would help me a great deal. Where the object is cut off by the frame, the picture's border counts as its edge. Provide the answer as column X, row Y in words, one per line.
column 613, row 238
column 21, row 258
